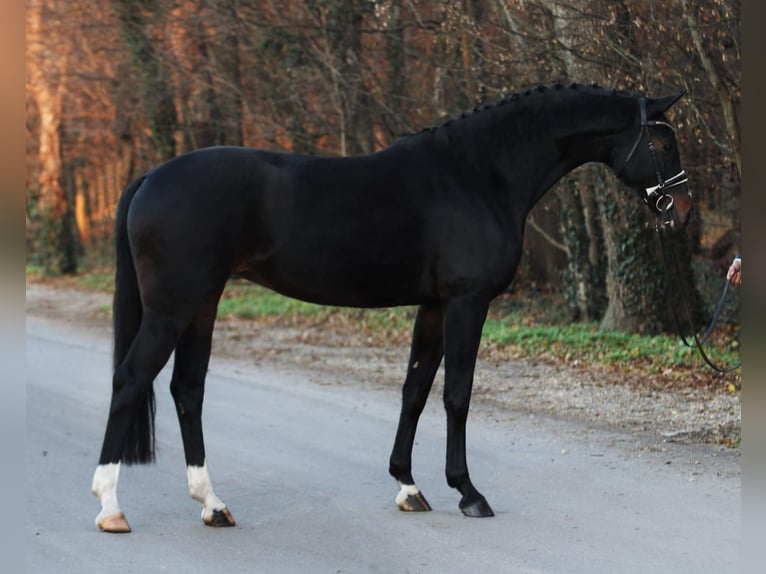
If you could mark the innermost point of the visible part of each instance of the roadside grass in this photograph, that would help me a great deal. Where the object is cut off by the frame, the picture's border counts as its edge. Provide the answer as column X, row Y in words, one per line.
column 529, row 326
column 538, row 327
column 244, row 301
column 587, row 343
column 100, row 279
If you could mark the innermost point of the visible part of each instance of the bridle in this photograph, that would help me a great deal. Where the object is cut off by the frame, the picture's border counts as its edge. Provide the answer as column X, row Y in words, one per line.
column 656, row 196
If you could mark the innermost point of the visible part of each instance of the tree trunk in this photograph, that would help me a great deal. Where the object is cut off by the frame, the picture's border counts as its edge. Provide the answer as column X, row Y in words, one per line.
column 229, row 101
column 581, row 228
column 397, row 79
column 46, row 73
column 584, row 278
column 635, row 280
column 354, row 99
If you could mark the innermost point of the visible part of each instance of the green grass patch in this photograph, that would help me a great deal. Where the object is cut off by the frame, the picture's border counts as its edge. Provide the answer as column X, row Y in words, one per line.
column 588, row 343
column 35, row 271
column 243, row 300
column 101, row 281
column 538, row 326
column 248, row 301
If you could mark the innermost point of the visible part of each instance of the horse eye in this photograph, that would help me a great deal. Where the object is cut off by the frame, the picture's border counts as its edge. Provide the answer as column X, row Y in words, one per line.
column 668, row 147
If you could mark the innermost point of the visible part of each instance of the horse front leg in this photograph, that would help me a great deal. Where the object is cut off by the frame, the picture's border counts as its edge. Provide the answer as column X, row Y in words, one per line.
column 463, row 322
column 187, row 387
column 425, row 355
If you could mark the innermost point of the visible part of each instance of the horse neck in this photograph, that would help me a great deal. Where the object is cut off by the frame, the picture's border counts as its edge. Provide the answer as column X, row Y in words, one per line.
column 529, row 144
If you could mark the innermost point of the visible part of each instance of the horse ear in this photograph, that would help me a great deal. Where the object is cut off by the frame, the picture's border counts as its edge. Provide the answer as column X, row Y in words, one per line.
column 657, row 106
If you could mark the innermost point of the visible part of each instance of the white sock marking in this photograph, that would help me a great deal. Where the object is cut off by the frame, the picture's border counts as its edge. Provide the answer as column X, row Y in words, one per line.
column 201, row 490
column 104, row 486
column 405, row 491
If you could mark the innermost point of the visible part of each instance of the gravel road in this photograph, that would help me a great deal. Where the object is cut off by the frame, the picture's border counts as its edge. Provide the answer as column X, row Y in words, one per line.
column 298, row 441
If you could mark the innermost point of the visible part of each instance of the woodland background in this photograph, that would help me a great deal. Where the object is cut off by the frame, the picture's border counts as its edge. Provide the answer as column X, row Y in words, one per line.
column 115, row 87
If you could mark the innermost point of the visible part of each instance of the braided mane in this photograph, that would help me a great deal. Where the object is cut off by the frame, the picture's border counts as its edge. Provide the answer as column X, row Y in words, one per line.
column 526, row 93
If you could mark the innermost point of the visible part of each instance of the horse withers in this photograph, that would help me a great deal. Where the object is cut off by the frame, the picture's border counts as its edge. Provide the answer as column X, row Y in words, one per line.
column 435, row 220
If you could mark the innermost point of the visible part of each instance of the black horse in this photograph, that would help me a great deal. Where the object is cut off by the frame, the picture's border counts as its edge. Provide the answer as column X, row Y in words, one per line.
column 435, row 220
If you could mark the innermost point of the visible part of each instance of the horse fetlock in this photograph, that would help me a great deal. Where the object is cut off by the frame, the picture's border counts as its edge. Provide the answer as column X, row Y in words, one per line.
column 402, row 472
column 461, row 482
column 472, row 503
column 214, row 511
column 104, row 484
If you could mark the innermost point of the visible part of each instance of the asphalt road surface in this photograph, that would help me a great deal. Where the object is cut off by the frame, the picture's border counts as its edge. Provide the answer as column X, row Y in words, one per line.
column 301, row 460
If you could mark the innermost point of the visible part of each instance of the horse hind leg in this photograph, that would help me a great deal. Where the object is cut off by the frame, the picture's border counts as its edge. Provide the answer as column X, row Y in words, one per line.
column 187, row 388
column 129, row 435
column 425, row 355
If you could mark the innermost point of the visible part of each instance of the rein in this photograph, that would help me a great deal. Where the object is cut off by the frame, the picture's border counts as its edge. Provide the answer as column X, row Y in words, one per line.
column 696, row 342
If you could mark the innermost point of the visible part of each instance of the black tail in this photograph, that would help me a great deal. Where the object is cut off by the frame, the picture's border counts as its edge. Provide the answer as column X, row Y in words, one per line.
column 126, row 317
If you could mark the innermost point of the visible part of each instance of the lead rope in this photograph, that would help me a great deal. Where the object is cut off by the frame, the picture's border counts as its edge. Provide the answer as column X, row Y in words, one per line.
column 716, row 313
column 697, row 343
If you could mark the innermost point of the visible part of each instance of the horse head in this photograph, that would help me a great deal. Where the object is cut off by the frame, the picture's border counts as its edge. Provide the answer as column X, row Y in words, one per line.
column 646, row 157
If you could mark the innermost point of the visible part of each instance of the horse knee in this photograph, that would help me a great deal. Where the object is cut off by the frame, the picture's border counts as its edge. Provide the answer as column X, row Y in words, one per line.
column 457, row 404
column 413, row 401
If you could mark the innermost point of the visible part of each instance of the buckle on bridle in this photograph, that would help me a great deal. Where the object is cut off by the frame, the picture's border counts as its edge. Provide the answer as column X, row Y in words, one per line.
column 657, row 195
column 664, row 203
column 666, row 210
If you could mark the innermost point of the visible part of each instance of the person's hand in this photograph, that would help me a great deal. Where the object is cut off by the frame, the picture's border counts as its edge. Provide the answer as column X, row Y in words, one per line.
column 735, row 271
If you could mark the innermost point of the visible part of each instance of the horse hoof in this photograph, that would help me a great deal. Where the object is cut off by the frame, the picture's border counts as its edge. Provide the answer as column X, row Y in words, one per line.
column 410, row 499
column 476, row 508
column 114, row 523
column 414, row 503
column 220, row 517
